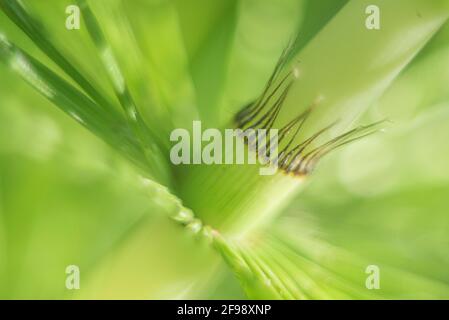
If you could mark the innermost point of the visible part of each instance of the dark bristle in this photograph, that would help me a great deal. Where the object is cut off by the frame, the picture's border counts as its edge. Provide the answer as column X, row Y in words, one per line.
column 297, row 159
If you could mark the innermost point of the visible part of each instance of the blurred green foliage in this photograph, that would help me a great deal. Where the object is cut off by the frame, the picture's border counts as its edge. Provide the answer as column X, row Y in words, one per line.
column 67, row 198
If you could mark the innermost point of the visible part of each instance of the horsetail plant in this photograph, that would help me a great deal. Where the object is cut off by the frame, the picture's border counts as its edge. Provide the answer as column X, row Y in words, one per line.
column 206, row 219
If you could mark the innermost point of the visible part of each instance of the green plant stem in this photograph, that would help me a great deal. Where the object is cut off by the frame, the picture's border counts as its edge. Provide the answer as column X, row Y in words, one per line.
column 73, row 102
column 350, row 66
column 149, row 140
column 17, row 13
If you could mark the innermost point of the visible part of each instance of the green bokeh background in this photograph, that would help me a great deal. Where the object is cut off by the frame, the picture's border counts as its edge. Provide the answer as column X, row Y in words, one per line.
column 67, row 198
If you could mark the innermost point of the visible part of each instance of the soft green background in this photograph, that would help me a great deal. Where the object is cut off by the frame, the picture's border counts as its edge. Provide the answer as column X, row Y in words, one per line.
column 68, row 198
